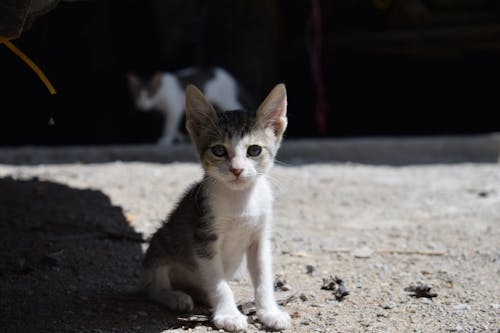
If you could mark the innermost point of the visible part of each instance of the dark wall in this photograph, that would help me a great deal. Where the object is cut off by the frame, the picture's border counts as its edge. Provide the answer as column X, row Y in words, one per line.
column 386, row 69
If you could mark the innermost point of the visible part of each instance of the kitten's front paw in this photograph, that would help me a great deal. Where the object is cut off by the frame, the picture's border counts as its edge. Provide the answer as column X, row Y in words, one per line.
column 177, row 301
column 274, row 319
column 230, row 321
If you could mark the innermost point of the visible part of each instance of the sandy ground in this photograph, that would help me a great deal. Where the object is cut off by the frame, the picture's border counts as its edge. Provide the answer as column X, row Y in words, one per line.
column 71, row 244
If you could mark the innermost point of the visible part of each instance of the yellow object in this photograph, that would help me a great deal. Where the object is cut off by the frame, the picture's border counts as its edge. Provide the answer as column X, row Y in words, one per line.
column 30, row 63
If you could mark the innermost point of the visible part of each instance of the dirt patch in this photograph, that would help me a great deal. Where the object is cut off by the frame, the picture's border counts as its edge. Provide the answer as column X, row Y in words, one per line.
column 72, row 237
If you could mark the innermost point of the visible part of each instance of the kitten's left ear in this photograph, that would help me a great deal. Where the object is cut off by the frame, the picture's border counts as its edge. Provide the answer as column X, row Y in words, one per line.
column 134, row 83
column 200, row 114
column 155, row 83
column 272, row 112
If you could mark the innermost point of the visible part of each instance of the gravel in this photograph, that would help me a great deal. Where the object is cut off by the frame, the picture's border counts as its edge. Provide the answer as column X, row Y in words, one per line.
column 72, row 236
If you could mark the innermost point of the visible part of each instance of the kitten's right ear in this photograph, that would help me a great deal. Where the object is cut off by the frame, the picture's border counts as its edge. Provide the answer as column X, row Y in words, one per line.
column 199, row 112
column 272, row 112
column 134, row 83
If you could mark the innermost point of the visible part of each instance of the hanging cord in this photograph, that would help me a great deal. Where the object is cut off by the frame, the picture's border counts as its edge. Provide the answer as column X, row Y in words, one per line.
column 30, row 63
column 313, row 42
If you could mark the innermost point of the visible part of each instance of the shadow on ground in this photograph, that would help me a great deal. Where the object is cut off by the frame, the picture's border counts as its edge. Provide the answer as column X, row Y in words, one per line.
column 67, row 256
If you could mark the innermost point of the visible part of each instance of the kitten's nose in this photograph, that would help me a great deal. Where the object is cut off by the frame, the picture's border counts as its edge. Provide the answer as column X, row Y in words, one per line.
column 236, row 171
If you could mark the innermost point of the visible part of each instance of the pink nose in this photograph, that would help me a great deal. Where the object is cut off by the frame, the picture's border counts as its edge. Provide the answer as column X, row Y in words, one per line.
column 235, row 171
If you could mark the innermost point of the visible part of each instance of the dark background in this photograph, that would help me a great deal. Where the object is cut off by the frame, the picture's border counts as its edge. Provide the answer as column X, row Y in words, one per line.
column 408, row 67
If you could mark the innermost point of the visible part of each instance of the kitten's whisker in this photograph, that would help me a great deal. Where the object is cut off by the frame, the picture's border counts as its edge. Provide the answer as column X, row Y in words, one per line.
column 282, row 163
column 278, row 178
column 277, row 183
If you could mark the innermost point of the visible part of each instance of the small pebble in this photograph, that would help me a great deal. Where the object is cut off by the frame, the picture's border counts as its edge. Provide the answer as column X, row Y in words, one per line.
column 317, row 305
column 390, row 306
column 305, row 322
column 425, row 301
column 282, row 285
column 461, row 307
column 299, row 254
column 362, row 252
column 310, row 269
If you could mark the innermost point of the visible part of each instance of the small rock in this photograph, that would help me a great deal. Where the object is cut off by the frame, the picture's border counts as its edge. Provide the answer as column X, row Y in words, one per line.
column 305, row 322
column 337, row 286
column 281, row 285
column 458, row 328
column 483, row 194
column 310, row 269
column 389, row 306
column 461, row 307
column 362, row 252
column 317, row 305
column 420, row 290
column 425, row 301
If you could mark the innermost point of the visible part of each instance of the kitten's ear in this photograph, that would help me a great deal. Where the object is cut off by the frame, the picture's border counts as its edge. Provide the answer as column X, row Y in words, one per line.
column 272, row 112
column 155, row 83
column 199, row 112
column 134, row 83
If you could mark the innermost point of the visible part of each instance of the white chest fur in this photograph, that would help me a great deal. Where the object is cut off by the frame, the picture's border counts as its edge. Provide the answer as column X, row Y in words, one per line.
column 253, row 201
column 239, row 218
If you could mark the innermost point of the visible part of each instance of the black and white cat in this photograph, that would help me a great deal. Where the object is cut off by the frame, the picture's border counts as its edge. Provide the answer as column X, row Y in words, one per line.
column 224, row 217
column 165, row 92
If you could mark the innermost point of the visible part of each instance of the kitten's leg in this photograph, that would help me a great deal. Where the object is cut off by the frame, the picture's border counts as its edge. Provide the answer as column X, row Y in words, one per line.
column 260, row 268
column 159, row 289
column 171, row 130
column 179, row 137
column 226, row 315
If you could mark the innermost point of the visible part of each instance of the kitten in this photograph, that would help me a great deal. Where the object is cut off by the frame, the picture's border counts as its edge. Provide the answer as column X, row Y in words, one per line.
column 224, row 217
column 165, row 93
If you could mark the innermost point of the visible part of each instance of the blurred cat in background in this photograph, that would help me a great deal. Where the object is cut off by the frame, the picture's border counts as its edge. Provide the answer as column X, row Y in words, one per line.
column 165, row 92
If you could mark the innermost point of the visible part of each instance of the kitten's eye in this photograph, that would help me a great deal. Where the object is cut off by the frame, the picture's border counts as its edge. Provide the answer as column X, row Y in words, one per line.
column 219, row 150
column 254, row 150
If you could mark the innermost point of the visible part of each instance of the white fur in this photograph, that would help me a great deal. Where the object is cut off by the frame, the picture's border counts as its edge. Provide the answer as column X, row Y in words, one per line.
column 243, row 215
column 244, row 219
column 170, row 100
column 221, row 90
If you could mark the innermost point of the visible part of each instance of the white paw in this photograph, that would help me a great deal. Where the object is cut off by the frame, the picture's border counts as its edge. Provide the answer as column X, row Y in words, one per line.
column 274, row 319
column 231, row 322
column 165, row 141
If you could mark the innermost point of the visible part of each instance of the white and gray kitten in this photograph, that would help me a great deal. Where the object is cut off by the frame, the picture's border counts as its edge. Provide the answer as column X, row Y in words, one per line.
column 224, row 217
column 164, row 92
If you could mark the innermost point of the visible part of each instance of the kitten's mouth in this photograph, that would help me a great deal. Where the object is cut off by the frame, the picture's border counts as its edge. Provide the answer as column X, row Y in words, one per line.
column 238, row 181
